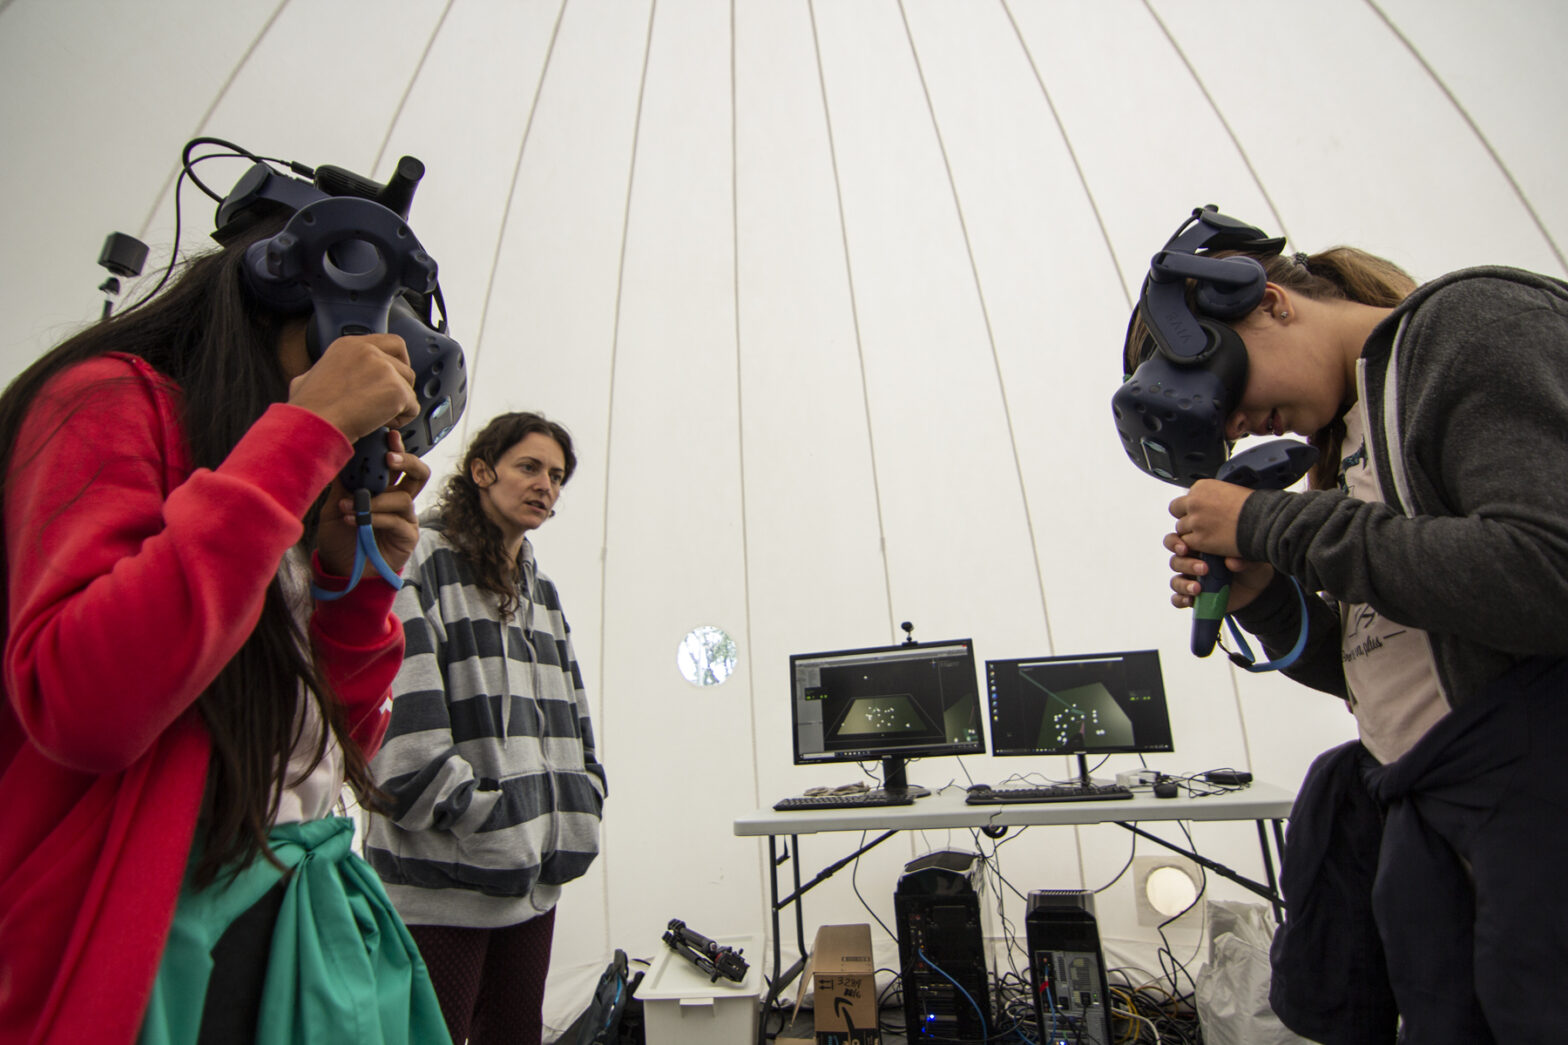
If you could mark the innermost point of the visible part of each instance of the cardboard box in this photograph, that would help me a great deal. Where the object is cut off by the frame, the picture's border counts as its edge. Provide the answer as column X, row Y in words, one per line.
column 681, row 1005
column 844, row 986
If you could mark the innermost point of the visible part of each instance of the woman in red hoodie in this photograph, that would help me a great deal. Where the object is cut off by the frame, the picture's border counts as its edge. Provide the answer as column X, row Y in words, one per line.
column 180, row 712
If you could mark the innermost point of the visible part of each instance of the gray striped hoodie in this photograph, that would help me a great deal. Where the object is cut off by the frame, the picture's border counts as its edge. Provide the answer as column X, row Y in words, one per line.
column 489, row 759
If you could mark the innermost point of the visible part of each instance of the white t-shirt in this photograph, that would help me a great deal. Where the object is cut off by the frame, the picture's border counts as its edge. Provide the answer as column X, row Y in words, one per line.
column 1389, row 669
column 314, row 795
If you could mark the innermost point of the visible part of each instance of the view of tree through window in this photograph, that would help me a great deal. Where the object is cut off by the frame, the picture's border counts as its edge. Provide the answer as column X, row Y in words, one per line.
column 706, row 656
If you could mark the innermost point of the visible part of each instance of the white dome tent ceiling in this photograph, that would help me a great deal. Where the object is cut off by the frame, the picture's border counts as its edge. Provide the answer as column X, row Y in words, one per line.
column 831, row 295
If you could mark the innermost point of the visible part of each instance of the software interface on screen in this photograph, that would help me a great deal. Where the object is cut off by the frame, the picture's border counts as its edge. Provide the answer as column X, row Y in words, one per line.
column 893, row 701
column 1105, row 702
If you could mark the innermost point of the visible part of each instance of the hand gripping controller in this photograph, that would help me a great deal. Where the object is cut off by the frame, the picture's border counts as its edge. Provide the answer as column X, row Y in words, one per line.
column 354, row 257
column 1271, row 466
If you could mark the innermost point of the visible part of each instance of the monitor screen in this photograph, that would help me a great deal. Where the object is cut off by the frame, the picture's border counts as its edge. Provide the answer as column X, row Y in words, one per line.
column 905, row 701
column 1097, row 703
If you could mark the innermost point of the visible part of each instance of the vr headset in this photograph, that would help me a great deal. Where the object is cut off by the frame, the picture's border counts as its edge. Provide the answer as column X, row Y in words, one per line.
column 348, row 257
column 1171, row 410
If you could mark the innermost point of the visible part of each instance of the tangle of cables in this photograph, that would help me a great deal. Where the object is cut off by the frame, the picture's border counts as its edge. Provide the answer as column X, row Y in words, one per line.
column 1143, row 1006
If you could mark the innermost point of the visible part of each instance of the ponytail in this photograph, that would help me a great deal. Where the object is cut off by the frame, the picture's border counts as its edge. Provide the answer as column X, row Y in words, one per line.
column 1341, row 273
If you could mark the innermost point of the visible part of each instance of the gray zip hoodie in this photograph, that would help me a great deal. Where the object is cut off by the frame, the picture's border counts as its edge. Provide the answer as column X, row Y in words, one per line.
column 489, row 758
column 1466, row 391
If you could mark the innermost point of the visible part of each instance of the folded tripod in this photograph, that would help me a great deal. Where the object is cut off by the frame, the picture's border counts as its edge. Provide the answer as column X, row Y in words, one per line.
column 704, row 953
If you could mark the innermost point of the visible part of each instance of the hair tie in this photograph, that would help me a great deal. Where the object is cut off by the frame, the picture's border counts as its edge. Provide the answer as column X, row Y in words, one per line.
column 1300, row 259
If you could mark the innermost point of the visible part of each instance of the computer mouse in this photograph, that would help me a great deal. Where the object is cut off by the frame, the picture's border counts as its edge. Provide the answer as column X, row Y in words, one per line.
column 975, row 789
column 1165, row 787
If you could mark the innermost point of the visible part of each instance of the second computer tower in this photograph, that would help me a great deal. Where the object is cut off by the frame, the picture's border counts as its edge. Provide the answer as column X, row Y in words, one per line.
column 941, row 948
column 1071, row 1000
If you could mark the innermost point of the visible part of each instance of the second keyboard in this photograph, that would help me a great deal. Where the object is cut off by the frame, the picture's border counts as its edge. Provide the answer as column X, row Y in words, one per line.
column 850, row 800
column 986, row 796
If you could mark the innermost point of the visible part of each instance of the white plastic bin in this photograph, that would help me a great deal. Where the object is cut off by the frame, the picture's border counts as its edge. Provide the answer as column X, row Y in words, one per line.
column 682, row 1006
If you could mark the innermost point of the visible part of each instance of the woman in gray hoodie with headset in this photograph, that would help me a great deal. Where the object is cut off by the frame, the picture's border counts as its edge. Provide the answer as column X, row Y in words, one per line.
column 1436, row 530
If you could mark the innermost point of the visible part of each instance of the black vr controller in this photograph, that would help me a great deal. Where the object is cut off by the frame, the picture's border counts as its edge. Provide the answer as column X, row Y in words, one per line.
column 1273, row 465
column 348, row 257
column 1171, row 411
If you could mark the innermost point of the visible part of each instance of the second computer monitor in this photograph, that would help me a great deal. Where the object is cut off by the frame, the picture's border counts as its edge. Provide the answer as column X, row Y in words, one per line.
column 1099, row 703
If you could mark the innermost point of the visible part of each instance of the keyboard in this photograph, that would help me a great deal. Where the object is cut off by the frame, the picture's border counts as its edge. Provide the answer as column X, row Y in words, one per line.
column 986, row 796
column 851, row 800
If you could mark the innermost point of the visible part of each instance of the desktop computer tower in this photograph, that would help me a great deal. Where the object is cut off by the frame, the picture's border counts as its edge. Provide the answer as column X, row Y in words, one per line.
column 1071, row 1000
column 941, row 948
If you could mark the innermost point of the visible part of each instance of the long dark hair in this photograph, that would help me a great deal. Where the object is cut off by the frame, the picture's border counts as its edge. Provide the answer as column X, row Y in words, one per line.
column 1336, row 274
column 467, row 526
column 203, row 333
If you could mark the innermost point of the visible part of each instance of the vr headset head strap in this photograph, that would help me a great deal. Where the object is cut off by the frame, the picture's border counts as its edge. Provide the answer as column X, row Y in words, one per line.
column 1227, row 288
column 1172, row 408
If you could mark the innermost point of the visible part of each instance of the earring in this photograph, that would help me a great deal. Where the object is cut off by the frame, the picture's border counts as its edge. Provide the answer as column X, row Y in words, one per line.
column 1283, row 314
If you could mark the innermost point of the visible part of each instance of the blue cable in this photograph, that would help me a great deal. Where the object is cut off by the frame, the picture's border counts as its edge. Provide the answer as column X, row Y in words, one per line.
column 365, row 549
column 984, row 1034
column 1056, row 1015
column 1245, row 658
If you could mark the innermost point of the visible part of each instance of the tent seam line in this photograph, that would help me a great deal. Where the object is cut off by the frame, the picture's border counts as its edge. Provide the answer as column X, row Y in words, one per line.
column 1072, row 153
column 1475, row 129
column 1214, row 107
column 985, row 316
column 506, row 210
column 201, row 124
column 854, row 311
column 615, row 342
column 408, row 89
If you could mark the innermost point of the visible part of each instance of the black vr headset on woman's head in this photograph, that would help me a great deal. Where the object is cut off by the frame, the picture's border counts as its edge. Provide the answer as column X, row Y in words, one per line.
column 348, row 258
column 1171, row 410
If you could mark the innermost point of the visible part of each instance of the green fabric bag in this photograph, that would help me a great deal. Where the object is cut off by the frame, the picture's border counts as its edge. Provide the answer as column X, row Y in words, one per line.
column 343, row 968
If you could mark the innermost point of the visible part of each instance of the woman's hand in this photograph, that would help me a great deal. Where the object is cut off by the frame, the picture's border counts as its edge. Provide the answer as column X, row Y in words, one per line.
column 1206, row 516
column 361, row 383
column 1247, row 579
column 392, row 515
column 1206, row 519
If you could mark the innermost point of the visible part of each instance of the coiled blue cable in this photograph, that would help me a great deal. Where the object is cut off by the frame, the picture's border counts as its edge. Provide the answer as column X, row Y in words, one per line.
column 365, row 550
column 1245, row 658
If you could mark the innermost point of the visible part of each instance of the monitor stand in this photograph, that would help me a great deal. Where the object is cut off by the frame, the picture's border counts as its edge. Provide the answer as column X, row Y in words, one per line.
column 1085, row 781
column 895, row 779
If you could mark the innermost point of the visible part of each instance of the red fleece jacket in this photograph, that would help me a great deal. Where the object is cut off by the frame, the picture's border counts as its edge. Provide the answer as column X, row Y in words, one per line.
column 133, row 578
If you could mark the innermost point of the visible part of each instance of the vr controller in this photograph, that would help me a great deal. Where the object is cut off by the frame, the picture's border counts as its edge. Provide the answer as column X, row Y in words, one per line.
column 1272, row 466
column 348, row 257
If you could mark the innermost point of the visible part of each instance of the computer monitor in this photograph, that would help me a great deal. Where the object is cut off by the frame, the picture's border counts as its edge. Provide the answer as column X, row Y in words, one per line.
column 891, row 703
column 1086, row 704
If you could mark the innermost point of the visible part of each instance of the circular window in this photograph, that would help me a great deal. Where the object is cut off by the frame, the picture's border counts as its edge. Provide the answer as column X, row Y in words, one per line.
column 706, row 656
column 1170, row 891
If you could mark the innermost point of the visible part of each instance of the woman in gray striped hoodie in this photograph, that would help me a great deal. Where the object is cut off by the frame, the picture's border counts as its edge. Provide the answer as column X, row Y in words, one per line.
column 494, row 788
